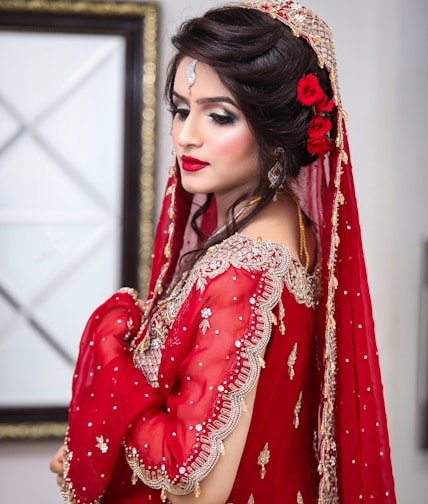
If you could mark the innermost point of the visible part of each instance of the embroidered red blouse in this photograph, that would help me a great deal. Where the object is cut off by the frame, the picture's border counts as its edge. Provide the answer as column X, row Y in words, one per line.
column 161, row 413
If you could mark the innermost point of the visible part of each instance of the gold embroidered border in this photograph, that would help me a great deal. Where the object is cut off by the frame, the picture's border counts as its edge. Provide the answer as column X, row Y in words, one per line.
column 306, row 23
column 28, row 431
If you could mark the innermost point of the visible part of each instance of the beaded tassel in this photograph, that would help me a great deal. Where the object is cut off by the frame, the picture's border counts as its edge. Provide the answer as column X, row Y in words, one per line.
column 134, row 479
column 263, row 460
column 163, row 495
column 281, row 317
column 297, row 408
column 291, row 361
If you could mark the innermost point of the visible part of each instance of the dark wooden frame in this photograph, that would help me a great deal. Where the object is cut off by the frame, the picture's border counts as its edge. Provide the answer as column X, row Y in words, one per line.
column 423, row 355
column 137, row 23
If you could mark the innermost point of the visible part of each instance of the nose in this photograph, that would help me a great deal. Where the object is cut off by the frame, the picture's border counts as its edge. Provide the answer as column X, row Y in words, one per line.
column 189, row 132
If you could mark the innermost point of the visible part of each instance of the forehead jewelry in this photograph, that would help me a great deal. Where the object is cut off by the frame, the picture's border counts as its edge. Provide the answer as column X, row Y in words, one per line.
column 190, row 74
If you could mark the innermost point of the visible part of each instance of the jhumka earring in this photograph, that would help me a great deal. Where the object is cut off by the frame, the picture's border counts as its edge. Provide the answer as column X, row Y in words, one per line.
column 190, row 74
column 276, row 174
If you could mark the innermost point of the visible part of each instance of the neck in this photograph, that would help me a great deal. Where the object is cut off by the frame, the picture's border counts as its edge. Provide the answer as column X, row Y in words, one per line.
column 240, row 211
column 223, row 204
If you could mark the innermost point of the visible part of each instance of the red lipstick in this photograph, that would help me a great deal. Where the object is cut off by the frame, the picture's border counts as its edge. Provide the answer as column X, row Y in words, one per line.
column 192, row 164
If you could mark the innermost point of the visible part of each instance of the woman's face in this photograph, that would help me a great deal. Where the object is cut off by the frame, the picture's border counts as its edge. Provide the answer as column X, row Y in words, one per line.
column 215, row 147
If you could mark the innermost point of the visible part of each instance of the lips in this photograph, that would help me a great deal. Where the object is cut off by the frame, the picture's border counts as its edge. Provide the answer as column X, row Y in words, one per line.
column 192, row 164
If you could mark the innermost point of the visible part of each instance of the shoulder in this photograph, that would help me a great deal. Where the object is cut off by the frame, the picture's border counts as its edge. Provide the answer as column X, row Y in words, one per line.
column 247, row 254
column 282, row 222
column 258, row 262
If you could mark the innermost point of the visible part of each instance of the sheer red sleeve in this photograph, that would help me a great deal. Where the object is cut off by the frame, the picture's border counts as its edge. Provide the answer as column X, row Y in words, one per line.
column 173, row 433
column 210, row 361
column 104, row 376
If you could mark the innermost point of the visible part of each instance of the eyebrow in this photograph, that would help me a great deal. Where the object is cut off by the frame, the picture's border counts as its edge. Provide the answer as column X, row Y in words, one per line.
column 213, row 99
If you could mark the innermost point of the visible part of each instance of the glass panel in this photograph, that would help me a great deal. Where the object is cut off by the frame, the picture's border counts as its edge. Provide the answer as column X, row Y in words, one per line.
column 61, row 172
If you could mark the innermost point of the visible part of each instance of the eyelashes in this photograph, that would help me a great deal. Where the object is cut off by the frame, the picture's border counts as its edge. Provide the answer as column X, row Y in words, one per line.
column 221, row 118
column 181, row 112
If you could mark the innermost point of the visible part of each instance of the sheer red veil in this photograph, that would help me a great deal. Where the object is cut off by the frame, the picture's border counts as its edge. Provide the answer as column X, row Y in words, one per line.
column 353, row 449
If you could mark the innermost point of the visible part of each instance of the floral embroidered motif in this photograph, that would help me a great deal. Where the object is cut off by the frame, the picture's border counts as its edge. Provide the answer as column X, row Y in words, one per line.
column 251, row 499
column 299, row 498
column 101, row 444
column 292, row 358
column 297, row 408
column 263, row 459
column 205, row 324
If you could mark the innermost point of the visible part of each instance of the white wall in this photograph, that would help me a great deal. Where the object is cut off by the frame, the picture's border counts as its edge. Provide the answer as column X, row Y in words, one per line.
column 383, row 73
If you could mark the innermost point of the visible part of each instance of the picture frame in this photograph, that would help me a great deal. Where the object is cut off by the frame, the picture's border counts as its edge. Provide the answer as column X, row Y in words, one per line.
column 137, row 24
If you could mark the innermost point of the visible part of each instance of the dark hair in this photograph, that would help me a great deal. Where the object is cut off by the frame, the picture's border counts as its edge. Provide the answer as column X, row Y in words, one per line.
column 260, row 61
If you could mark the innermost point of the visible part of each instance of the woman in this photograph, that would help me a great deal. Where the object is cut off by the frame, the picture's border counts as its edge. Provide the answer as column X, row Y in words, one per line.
column 252, row 375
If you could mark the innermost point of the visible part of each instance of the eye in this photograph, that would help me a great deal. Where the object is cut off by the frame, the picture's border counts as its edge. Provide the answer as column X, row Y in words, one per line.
column 222, row 118
column 180, row 111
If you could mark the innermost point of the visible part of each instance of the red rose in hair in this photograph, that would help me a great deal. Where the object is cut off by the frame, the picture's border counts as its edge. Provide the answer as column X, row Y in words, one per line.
column 310, row 94
column 324, row 106
column 319, row 145
column 309, row 91
column 319, row 126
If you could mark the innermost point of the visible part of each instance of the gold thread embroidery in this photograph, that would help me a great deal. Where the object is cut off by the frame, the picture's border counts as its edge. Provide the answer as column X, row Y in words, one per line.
column 263, row 459
column 251, row 499
column 299, row 498
column 292, row 358
column 297, row 408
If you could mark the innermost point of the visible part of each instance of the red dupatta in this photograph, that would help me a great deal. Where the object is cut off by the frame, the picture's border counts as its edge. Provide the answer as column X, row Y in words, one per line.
column 353, row 449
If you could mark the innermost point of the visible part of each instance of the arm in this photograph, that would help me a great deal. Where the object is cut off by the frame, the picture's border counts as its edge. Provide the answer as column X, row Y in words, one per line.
column 210, row 363
column 216, row 487
column 174, row 434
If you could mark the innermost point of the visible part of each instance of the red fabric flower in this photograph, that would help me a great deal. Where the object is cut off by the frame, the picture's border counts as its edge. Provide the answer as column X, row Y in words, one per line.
column 309, row 90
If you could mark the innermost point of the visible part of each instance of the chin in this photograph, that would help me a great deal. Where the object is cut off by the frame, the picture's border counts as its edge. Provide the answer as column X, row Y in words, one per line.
column 192, row 187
